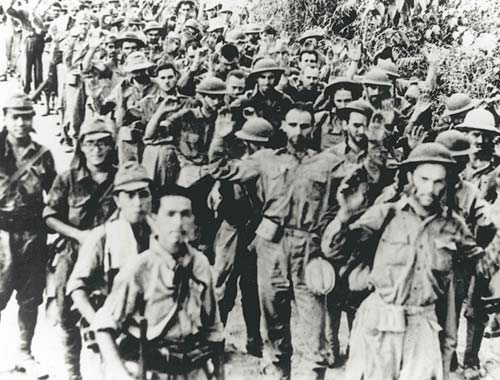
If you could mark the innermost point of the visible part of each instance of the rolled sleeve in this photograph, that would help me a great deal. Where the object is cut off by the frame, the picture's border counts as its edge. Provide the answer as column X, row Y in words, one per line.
column 57, row 199
column 88, row 273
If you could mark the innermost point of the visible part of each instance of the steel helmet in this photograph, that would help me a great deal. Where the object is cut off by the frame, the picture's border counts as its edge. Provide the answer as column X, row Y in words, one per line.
column 377, row 77
column 432, row 152
column 256, row 129
column 211, row 86
column 319, row 276
column 265, row 65
column 458, row 103
column 361, row 106
column 457, row 142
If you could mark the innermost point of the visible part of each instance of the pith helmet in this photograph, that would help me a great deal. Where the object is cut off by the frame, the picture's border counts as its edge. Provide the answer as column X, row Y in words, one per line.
column 211, row 86
column 479, row 120
column 256, row 129
column 430, row 153
column 130, row 37
column 457, row 142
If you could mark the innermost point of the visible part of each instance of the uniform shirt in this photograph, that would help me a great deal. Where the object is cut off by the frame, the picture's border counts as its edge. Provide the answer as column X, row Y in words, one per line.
column 127, row 97
column 27, row 192
column 100, row 258
column 69, row 196
column 172, row 313
column 272, row 107
column 297, row 190
column 415, row 257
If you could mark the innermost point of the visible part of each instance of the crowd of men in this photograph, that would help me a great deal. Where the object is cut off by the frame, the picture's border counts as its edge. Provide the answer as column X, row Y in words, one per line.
column 213, row 152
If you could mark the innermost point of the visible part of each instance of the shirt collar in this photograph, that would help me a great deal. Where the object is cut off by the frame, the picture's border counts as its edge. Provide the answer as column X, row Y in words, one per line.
column 171, row 263
column 30, row 148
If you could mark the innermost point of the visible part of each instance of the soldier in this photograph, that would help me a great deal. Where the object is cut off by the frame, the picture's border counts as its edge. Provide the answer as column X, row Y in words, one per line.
column 167, row 294
column 337, row 95
column 111, row 246
column 26, row 171
column 297, row 187
column 154, row 32
column 235, row 260
column 264, row 100
column 79, row 200
column 396, row 333
column 457, row 106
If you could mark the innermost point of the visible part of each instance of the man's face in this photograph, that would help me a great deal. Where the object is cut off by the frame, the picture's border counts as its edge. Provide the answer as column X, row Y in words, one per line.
column 356, row 128
column 266, row 82
column 476, row 138
column 95, row 8
column 175, row 222
column 213, row 102
column 134, row 205
column 310, row 77
column 18, row 125
column 83, row 27
column 153, row 37
column 173, row 45
column 429, row 184
column 111, row 48
column 268, row 38
column 55, row 12
column 166, row 79
column 96, row 148
column 235, row 86
column 129, row 47
column 341, row 98
column 184, row 9
column 307, row 60
column 298, row 127
column 375, row 93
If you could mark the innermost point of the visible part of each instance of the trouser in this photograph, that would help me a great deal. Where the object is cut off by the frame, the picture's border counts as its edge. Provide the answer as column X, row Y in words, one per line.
column 66, row 316
column 23, row 258
column 33, row 70
column 394, row 342
column 74, row 107
column 233, row 262
column 13, row 43
column 477, row 318
column 280, row 269
column 162, row 164
column 129, row 144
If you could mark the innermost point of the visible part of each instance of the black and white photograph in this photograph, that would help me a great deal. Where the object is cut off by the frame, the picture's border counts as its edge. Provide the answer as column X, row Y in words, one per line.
column 250, row 189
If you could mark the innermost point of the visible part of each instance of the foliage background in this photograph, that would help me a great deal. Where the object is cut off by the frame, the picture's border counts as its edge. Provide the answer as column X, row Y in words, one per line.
column 463, row 32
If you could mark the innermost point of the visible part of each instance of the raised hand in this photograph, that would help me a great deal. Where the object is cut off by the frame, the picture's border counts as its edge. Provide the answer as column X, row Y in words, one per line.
column 355, row 50
column 224, row 124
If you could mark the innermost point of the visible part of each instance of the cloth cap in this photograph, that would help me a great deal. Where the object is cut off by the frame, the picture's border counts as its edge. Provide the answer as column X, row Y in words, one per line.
column 19, row 103
column 459, row 103
column 96, row 125
column 256, row 129
column 137, row 61
column 457, row 142
column 430, row 153
column 479, row 120
column 131, row 176
column 211, row 85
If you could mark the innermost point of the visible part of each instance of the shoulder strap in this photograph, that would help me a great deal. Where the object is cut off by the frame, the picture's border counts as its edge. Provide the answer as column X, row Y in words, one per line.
column 26, row 166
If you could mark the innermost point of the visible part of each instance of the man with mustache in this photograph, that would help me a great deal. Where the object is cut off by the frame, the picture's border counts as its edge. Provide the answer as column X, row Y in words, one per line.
column 406, row 328
column 298, row 186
